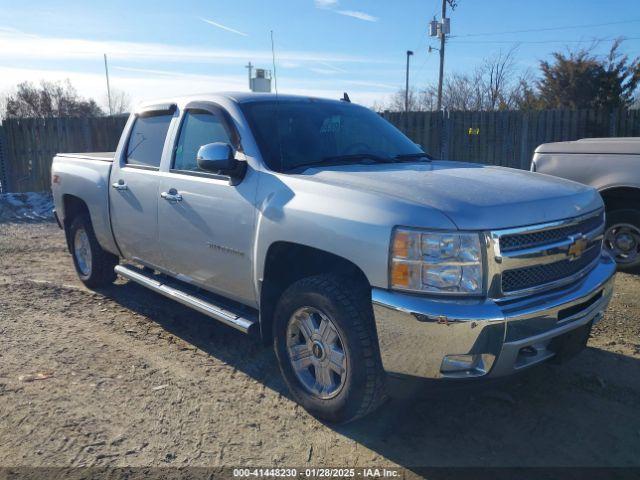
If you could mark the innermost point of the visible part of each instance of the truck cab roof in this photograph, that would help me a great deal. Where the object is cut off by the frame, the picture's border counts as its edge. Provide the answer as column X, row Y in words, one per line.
column 236, row 97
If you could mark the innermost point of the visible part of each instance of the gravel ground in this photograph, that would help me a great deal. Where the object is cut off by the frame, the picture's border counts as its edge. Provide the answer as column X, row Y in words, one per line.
column 124, row 377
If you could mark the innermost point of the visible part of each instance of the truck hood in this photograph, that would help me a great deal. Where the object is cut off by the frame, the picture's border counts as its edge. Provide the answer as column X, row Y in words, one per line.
column 473, row 197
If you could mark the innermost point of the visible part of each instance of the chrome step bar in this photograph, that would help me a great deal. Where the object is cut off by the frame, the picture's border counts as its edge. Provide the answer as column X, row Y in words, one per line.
column 223, row 315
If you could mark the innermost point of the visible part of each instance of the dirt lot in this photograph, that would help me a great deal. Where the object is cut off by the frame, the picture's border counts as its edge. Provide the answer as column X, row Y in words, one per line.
column 131, row 378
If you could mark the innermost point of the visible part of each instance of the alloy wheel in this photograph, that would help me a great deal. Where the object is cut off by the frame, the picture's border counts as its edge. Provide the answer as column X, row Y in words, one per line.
column 316, row 352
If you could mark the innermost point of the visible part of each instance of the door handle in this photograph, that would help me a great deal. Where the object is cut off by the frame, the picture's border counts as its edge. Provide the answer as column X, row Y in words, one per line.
column 120, row 185
column 172, row 195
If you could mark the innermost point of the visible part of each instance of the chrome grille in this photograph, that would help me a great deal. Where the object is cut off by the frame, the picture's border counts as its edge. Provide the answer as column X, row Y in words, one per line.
column 528, row 277
column 509, row 243
column 540, row 257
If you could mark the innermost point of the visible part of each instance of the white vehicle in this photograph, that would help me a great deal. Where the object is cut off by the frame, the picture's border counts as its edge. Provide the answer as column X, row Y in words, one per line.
column 612, row 165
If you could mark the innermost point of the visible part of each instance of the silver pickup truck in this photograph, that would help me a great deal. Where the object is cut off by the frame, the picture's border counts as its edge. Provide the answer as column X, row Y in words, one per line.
column 612, row 165
column 320, row 227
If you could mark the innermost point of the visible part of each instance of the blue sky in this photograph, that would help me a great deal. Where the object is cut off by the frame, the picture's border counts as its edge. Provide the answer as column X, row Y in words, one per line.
column 323, row 47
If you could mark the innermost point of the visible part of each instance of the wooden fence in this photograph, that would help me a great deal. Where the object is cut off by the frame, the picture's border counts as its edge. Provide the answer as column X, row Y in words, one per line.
column 3, row 162
column 496, row 138
column 27, row 146
column 508, row 138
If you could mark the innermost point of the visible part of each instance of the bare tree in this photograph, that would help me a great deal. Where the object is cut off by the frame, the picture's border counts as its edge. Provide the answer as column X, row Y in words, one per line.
column 50, row 99
column 396, row 102
column 497, row 73
column 492, row 85
column 120, row 102
column 4, row 96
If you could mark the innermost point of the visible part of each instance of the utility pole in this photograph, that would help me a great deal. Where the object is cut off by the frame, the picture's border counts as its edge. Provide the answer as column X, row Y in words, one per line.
column 442, row 32
column 249, row 67
column 106, row 70
column 406, row 88
column 441, row 29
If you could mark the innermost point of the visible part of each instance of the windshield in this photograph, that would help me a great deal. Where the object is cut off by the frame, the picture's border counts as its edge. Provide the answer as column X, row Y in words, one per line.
column 293, row 133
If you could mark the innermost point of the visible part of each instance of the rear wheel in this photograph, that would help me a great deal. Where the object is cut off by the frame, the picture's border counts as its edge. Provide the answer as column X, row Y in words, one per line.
column 93, row 264
column 622, row 238
column 327, row 350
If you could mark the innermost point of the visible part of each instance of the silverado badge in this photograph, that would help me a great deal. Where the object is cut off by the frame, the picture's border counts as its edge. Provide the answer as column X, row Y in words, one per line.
column 577, row 248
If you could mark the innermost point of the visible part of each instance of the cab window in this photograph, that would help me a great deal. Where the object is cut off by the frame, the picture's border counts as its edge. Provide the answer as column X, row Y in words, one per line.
column 146, row 141
column 199, row 127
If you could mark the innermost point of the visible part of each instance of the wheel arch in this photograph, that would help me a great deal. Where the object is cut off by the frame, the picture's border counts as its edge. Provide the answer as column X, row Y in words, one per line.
column 288, row 262
column 619, row 197
column 73, row 206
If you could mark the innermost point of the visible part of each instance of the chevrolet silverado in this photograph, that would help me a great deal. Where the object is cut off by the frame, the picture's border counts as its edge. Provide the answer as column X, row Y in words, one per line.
column 318, row 226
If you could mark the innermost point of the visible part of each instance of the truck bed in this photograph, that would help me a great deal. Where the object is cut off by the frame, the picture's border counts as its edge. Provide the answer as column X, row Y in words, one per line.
column 85, row 176
column 102, row 156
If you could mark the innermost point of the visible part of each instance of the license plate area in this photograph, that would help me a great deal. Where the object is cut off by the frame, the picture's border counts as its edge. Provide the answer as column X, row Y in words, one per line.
column 569, row 344
column 576, row 310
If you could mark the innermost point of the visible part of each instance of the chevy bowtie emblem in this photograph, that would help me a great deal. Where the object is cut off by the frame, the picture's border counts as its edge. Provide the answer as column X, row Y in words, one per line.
column 577, row 248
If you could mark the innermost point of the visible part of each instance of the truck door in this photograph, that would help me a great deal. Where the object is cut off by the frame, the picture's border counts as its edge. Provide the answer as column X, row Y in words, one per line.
column 206, row 225
column 134, row 186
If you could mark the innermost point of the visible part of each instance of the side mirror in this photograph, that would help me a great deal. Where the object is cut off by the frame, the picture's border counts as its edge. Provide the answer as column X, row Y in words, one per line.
column 216, row 157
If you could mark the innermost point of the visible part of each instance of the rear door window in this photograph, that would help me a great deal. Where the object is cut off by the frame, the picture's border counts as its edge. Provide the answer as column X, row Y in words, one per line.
column 146, row 141
column 199, row 127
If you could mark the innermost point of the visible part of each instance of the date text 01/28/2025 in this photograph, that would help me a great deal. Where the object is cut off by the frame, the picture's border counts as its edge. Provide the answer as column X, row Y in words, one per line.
column 317, row 472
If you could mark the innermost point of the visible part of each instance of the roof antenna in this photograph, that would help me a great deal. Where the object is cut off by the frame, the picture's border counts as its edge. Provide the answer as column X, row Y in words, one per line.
column 277, row 122
column 345, row 98
column 273, row 57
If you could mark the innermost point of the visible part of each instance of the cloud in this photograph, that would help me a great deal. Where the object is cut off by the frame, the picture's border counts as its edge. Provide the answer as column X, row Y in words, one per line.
column 333, row 4
column 332, row 67
column 323, row 71
column 23, row 46
column 147, row 84
column 288, row 65
column 224, row 27
column 326, row 3
column 358, row 83
column 359, row 15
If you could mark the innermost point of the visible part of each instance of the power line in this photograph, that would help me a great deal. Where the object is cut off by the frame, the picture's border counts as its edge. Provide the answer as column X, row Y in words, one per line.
column 546, row 29
column 422, row 65
column 545, row 41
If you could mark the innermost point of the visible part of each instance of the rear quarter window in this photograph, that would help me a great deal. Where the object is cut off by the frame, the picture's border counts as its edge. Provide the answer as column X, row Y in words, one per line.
column 146, row 140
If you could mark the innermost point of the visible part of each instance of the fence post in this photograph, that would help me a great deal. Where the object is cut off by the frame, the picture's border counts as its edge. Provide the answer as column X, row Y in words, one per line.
column 86, row 134
column 445, row 135
column 4, row 164
column 524, row 139
column 613, row 123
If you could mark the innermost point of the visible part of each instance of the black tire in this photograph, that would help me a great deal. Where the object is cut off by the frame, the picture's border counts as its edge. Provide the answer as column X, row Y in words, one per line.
column 628, row 261
column 100, row 271
column 349, row 309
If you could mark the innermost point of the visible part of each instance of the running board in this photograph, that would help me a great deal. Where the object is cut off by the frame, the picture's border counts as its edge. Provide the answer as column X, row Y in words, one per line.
column 169, row 288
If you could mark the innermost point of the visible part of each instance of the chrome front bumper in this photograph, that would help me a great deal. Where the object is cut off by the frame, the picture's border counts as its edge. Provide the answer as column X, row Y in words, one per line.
column 416, row 333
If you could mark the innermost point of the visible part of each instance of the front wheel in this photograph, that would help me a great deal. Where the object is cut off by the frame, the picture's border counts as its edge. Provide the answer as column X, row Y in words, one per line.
column 93, row 264
column 326, row 346
column 622, row 238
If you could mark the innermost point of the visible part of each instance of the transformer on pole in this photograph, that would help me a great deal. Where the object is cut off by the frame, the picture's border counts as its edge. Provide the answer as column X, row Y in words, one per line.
column 441, row 30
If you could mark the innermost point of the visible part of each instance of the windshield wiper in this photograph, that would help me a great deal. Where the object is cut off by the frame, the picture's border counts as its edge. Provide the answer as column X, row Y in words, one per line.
column 345, row 159
column 410, row 156
column 358, row 156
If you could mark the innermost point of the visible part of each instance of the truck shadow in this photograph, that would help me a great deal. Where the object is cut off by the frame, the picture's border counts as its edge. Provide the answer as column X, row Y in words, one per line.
column 584, row 413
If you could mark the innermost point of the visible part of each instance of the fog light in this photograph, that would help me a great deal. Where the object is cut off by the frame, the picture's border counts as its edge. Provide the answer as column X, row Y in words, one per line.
column 470, row 365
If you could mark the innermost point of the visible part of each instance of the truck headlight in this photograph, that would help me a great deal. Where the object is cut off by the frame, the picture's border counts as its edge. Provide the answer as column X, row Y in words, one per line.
column 436, row 262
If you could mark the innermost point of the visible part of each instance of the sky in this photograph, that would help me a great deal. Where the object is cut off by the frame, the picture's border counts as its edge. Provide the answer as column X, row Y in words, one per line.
column 322, row 47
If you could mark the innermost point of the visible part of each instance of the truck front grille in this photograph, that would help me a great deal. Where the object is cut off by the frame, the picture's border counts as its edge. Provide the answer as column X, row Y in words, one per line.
column 519, row 241
column 528, row 277
column 539, row 257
